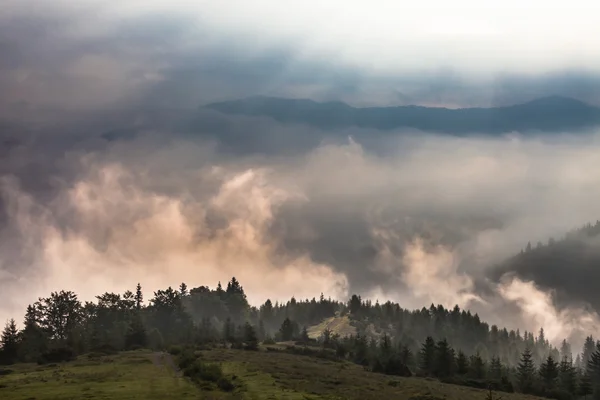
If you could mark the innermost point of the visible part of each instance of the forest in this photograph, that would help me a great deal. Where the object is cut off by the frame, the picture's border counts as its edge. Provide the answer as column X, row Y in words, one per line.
column 454, row 345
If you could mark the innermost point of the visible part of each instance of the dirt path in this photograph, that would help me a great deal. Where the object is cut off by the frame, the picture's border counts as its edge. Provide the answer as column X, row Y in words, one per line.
column 162, row 359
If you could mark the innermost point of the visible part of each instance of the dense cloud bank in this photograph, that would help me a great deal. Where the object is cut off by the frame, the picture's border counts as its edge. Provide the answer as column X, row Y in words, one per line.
column 110, row 174
column 424, row 221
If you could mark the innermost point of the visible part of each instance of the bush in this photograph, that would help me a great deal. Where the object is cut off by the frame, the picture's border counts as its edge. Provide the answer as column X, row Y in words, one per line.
column 175, row 350
column 225, row 384
column 56, row 355
column 268, row 340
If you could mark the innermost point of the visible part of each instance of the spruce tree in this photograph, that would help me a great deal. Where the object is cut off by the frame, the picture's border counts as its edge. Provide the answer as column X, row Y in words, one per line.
column 593, row 369
column 549, row 372
column 526, row 372
column 567, row 376
column 286, row 330
column 476, row 367
column 585, row 385
column 462, row 363
column 250, row 338
column 495, row 368
column 9, row 342
column 444, row 359
column 427, row 356
column 139, row 297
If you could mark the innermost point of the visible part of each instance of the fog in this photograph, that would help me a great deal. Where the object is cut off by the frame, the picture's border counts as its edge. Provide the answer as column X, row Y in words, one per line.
column 423, row 222
column 110, row 175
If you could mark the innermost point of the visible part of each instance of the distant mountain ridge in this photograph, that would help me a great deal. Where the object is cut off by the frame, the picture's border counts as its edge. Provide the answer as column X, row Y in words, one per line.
column 553, row 113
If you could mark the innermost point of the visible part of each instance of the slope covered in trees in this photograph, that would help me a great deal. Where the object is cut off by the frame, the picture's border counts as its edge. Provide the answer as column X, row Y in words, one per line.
column 452, row 345
column 566, row 264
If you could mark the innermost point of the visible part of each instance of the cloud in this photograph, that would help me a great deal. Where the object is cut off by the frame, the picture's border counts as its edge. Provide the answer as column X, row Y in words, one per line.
column 182, row 194
column 181, row 54
column 423, row 221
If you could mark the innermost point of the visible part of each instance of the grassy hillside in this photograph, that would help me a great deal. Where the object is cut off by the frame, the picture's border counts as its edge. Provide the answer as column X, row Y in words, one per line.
column 130, row 375
column 256, row 375
column 339, row 325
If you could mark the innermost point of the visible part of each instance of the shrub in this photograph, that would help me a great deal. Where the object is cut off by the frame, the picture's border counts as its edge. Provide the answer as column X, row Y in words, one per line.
column 268, row 340
column 175, row 350
column 58, row 354
column 225, row 384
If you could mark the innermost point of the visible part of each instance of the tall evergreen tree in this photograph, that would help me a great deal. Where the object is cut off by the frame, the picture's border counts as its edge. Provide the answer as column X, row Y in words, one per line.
column 589, row 347
column 593, row 370
column 287, row 330
column 549, row 371
column 427, row 356
column 585, row 385
column 444, row 359
column 526, row 371
column 476, row 367
column 495, row 368
column 9, row 343
column 250, row 338
column 139, row 297
column 567, row 376
column 462, row 363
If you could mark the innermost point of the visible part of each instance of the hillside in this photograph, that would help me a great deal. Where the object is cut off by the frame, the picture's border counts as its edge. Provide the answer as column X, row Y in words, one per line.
column 579, row 251
column 258, row 375
column 549, row 114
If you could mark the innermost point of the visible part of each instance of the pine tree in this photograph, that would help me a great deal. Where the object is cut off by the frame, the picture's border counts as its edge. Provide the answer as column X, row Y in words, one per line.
column 477, row 366
column 250, row 337
column 585, row 385
column 139, row 297
column 10, row 342
column 136, row 333
column 183, row 289
column 593, row 370
column 286, row 330
column 304, row 338
column 406, row 356
column 228, row 331
column 567, row 376
column 262, row 333
column 588, row 348
column 526, row 371
column 444, row 359
column 495, row 368
column 427, row 356
column 549, row 372
column 462, row 363
column 565, row 350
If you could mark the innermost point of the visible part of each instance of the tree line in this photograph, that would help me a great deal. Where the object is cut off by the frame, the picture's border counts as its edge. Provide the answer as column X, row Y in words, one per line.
column 453, row 345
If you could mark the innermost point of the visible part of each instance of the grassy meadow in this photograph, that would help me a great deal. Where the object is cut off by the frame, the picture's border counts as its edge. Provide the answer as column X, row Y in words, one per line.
column 256, row 375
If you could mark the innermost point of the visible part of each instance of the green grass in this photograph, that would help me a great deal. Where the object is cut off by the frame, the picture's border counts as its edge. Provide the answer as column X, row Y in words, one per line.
column 130, row 375
column 260, row 375
column 278, row 375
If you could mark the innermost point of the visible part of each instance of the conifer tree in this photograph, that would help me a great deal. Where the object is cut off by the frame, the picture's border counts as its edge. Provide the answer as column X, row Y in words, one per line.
column 526, row 372
column 444, row 360
column 495, row 368
column 593, row 370
column 427, row 356
column 476, row 367
column 585, row 385
column 462, row 363
column 567, row 376
column 9, row 342
column 250, row 338
column 139, row 297
column 549, row 371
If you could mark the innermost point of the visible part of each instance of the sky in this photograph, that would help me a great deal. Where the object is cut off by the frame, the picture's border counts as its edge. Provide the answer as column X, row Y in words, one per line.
column 183, row 194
